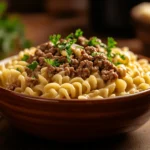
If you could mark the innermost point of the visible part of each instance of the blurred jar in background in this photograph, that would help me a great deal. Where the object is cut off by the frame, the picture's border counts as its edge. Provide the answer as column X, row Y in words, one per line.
column 141, row 18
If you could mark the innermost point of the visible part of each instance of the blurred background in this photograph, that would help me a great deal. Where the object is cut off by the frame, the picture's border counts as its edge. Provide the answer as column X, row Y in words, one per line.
column 30, row 22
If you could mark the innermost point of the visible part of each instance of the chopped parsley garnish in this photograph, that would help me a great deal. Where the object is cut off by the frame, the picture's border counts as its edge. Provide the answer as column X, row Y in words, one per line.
column 18, row 69
column 67, row 48
column 55, row 38
column 96, row 53
column 118, row 63
column 54, row 63
column 111, row 43
column 78, row 33
column 122, row 56
column 93, row 41
column 103, row 45
column 69, row 53
column 61, row 46
column 70, row 36
column 79, row 46
column 75, row 35
column 118, row 54
column 25, row 57
column 33, row 65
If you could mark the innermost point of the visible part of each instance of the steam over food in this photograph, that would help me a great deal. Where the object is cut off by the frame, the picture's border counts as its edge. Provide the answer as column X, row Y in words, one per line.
column 76, row 68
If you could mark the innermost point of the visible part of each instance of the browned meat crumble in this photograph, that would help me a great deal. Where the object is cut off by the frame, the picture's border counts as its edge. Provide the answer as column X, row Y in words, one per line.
column 83, row 66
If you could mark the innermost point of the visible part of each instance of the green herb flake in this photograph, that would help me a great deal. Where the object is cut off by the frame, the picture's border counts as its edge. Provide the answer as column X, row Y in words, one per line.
column 55, row 38
column 25, row 57
column 93, row 41
column 111, row 43
column 118, row 63
column 79, row 46
column 61, row 46
column 78, row 33
column 18, row 69
column 69, row 52
column 122, row 57
column 118, row 54
column 33, row 65
column 67, row 47
column 103, row 45
column 96, row 53
column 54, row 63
column 70, row 36
column 3, row 7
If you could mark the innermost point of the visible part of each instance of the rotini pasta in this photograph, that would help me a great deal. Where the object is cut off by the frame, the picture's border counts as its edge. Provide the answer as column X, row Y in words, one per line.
column 76, row 68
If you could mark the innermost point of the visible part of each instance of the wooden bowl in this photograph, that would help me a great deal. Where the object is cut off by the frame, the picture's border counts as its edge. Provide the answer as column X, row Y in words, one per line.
column 75, row 119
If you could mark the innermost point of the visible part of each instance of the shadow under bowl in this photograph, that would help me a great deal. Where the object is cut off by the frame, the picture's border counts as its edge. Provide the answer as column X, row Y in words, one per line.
column 75, row 119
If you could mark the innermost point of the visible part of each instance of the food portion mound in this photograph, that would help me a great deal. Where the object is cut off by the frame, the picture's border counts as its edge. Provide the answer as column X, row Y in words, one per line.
column 76, row 68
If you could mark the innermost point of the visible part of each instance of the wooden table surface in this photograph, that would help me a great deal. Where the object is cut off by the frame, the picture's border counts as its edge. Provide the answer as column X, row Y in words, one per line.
column 11, row 139
column 38, row 29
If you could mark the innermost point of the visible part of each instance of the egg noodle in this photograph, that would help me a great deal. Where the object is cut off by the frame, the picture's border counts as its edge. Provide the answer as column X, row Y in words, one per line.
column 133, row 74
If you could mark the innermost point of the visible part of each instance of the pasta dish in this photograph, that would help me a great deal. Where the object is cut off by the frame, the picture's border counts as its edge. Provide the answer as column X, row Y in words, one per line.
column 76, row 68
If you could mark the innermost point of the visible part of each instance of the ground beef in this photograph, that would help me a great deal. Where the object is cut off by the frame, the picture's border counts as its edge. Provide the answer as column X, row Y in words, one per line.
column 13, row 85
column 61, row 59
column 98, row 63
column 49, row 55
column 31, row 59
column 33, row 73
column 85, row 56
column 31, row 81
column 64, row 65
column 83, row 72
column 45, row 46
column 69, row 71
column 90, row 49
column 74, row 63
column 39, row 53
column 107, row 65
column 41, row 61
column 95, row 69
column 53, row 70
column 82, row 41
column 83, row 66
column 53, row 50
column 86, row 64
column 109, row 74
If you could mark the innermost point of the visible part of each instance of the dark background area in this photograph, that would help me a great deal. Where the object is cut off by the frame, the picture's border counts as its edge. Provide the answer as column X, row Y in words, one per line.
column 106, row 17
